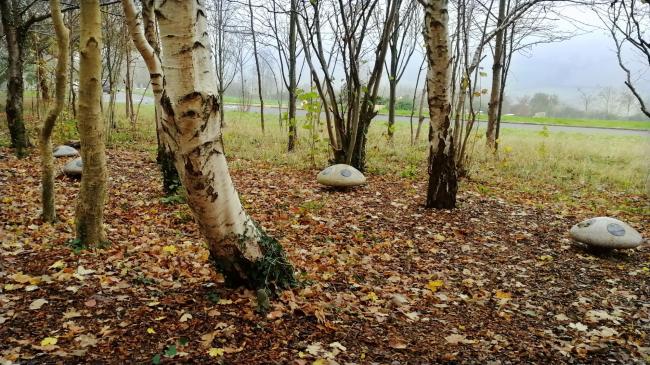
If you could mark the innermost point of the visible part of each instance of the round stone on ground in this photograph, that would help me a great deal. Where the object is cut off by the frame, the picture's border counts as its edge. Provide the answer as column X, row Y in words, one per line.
column 341, row 175
column 65, row 151
column 606, row 232
column 74, row 167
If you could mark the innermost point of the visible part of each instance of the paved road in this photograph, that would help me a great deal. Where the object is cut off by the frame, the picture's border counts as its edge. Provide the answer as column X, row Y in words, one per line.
column 273, row 110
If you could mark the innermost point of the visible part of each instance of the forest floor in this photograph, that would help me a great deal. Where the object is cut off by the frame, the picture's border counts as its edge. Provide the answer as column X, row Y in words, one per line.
column 495, row 281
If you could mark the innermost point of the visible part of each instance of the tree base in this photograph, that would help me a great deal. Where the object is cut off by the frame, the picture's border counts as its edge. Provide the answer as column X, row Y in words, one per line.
column 443, row 179
column 273, row 272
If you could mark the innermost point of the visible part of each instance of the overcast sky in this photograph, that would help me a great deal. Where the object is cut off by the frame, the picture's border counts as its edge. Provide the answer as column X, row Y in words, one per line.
column 587, row 61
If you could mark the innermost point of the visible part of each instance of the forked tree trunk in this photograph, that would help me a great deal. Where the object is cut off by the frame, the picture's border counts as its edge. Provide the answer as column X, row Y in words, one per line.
column 240, row 249
column 145, row 41
column 45, row 143
column 92, row 194
column 443, row 180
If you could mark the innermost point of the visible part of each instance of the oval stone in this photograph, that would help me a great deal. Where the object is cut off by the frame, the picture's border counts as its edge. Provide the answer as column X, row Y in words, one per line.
column 64, row 151
column 74, row 167
column 341, row 175
column 606, row 232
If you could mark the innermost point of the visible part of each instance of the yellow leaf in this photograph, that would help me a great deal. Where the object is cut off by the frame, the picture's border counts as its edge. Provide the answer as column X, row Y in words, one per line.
column 171, row 249
column 9, row 287
column 319, row 362
column 502, row 295
column 150, row 331
column 546, row 258
column 58, row 265
column 434, row 285
column 49, row 341
column 372, row 296
column 214, row 352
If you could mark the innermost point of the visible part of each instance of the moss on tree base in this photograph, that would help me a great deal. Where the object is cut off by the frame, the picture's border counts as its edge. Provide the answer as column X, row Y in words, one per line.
column 273, row 272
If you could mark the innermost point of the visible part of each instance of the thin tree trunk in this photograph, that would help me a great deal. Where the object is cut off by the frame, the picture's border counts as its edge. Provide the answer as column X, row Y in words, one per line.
column 92, row 194
column 497, row 66
column 420, row 114
column 47, row 164
column 240, row 249
column 257, row 66
column 293, row 128
column 392, row 91
column 443, row 184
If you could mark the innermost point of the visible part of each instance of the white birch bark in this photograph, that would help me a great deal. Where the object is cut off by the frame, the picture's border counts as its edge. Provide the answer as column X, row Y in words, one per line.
column 191, row 121
column 443, row 184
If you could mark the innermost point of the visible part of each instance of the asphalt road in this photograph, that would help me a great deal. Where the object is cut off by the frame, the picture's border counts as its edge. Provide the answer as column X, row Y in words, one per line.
column 273, row 110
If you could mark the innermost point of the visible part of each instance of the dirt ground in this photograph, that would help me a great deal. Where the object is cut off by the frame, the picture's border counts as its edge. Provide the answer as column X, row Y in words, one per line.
column 384, row 281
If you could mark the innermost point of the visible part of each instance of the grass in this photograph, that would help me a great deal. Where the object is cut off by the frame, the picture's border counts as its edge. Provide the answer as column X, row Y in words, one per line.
column 598, row 123
column 567, row 162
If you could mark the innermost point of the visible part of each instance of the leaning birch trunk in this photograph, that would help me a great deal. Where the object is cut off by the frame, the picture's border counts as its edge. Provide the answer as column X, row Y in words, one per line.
column 45, row 143
column 92, row 194
column 239, row 248
column 144, row 43
column 443, row 184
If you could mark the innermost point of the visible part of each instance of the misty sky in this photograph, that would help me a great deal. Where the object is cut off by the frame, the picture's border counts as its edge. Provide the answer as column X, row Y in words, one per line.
column 587, row 61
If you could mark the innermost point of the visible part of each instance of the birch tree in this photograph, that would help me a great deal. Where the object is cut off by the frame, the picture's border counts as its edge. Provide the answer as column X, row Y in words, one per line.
column 443, row 181
column 45, row 142
column 239, row 247
column 92, row 193
column 141, row 26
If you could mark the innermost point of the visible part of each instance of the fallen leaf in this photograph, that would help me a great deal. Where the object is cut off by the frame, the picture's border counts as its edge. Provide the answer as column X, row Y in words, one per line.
column 49, row 341
column 86, row 340
column 37, row 304
column 150, row 331
column 579, row 326
column 170, row 249
column 434, row 285
column 58, row 265
column 397, row 343
column 215, row 352
column 185, row 317
column 455, row 339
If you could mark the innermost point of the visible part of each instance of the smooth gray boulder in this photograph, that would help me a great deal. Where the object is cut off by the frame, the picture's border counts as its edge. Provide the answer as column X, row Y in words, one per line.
column 74, row 167
column 606, row 232
column 341, row 175
column 64, row 151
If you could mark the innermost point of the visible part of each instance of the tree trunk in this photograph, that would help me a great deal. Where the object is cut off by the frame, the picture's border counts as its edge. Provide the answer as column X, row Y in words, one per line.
column 443, row 184
column 293, row 129
column 420, row 114
column 92, row 194
column 145, row 40
column 47, row 163
column 257, row 66
column 15, row 37
column 240, row 249
column 497, row 66
column 392, row 86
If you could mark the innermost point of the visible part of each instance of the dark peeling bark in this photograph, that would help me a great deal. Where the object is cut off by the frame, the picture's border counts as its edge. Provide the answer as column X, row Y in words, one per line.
column 15, row 37
column 443, row 178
